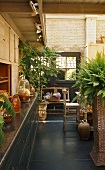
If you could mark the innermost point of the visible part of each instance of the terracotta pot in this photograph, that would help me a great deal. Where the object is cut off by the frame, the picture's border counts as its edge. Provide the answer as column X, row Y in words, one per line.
column 84, row 130
column 15, row 100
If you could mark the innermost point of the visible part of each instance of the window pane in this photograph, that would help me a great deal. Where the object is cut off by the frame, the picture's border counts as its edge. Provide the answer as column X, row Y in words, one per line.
column 68, row 65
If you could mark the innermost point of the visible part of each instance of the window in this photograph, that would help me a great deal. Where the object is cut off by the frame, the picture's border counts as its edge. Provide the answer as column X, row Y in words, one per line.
column 67, row 63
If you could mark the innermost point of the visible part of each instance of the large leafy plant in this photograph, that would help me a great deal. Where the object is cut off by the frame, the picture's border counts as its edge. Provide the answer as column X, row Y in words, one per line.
column 91, row 79
column 38, row 66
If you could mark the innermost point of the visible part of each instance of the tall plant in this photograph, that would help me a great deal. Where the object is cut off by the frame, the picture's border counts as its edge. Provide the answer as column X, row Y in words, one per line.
column 38, row 66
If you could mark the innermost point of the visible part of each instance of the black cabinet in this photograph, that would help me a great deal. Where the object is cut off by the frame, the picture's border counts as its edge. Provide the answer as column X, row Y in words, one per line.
column 18, row 155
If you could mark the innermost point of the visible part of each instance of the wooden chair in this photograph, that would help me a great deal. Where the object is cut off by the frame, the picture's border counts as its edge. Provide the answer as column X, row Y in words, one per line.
column 71, row 112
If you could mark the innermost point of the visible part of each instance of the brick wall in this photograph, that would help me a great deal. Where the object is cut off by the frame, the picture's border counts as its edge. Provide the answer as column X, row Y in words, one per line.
column 100, row 29
column 73, row 34
column 66, row 34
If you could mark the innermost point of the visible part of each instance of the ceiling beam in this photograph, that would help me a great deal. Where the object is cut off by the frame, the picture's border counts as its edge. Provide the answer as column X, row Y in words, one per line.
column 15, row 7
column 73, row 8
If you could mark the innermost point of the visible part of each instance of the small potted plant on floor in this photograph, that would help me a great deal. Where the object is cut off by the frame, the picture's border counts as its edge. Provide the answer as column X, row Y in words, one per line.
column 91, row 84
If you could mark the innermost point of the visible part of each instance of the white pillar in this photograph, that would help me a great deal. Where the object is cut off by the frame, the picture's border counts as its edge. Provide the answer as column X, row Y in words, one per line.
column 90, row 31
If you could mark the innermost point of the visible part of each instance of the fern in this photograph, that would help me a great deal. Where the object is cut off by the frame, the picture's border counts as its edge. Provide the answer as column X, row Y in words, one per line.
column 91, row 79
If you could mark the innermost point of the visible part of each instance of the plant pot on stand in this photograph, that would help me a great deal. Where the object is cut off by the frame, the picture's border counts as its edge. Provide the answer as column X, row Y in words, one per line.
column 98, row 150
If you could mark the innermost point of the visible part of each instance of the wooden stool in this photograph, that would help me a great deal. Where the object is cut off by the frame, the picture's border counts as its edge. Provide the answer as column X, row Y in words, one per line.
column 68, row 114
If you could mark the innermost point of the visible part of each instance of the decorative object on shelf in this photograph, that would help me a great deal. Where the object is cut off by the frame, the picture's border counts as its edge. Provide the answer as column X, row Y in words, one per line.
column 47, row 96
column 32, row 90
column 24, row 83
column 57, row 95
column 24, row 90
column 91, row 83
column 15, row 100
column 52, row 97
column 102, row 38
column 24, row 95
column 84, row 130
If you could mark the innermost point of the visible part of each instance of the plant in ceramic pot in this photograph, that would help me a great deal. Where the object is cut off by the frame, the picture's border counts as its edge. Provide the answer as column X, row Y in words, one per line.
column 91, row 84
column 6, row 110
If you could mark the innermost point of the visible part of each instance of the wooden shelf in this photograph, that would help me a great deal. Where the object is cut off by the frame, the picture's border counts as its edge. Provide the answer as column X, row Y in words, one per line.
column 59, row 101
column 3, row 81
column 5, row 72
column 55, row 102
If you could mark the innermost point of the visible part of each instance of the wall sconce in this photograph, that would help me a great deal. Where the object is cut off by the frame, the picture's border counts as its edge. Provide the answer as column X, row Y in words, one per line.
column 34, row 7
column 38, row 31
column 39, row 38
column 38, row 27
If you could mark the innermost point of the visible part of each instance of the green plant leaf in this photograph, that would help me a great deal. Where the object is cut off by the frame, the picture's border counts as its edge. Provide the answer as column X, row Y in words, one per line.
column 91, row 78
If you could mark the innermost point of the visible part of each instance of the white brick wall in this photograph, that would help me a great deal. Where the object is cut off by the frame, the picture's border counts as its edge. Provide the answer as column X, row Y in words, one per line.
column 90, row 30
column 74, row 33
column 100, row 29
column 66, row 34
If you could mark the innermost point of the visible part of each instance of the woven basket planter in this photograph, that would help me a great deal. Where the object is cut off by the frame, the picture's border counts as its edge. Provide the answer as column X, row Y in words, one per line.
column 98, row 150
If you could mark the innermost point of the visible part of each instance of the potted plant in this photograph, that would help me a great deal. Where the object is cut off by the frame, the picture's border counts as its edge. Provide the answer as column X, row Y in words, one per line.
column 38, row 66
column 91, row 84
column 5, row 106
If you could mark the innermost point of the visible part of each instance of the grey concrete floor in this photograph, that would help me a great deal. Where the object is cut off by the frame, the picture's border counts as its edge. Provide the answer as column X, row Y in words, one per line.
column 56, row 150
